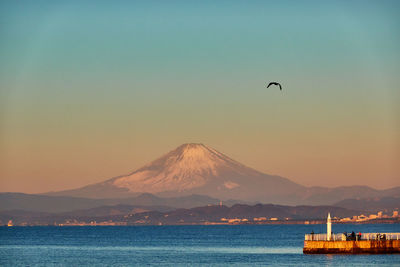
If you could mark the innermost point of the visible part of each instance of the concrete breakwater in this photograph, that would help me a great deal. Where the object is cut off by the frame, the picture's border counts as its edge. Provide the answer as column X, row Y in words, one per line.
column 373, row 243
column 352, row 247
column 330, row 243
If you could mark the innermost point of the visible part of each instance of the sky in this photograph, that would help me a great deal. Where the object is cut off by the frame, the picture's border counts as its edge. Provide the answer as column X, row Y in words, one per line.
column 94, row 89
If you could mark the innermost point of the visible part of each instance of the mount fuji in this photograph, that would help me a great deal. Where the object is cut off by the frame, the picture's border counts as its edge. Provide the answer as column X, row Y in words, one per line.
column 197, row 169
column 194, row 169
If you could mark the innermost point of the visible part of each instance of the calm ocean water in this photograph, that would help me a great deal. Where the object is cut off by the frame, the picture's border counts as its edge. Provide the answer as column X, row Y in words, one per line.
column 241, row 245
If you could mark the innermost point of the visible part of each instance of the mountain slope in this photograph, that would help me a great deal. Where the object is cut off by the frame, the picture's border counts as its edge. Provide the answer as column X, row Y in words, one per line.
column 133, row 215
column 195, row 169
column 201, row 170
column 58, row 204
column 324, row 195
column 386, row 204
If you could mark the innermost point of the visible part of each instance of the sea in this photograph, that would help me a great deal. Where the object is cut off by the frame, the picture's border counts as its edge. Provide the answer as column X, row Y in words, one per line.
column 197, row 245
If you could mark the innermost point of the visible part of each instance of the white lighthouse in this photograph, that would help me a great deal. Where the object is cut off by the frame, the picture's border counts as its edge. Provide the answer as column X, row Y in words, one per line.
column 328, row 228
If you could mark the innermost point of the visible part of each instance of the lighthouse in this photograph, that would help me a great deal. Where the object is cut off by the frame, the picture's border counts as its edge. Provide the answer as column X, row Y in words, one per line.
column 328, row 228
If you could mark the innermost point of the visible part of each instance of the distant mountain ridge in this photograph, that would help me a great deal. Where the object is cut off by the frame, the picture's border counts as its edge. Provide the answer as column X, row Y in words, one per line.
column 58, row 204
column 376, row 204
column 201, row 170
column 132, row 215
column 193, row 169
column 330, row 196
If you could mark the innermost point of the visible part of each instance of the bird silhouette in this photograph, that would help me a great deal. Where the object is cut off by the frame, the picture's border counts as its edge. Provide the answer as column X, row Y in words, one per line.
column 275, row 83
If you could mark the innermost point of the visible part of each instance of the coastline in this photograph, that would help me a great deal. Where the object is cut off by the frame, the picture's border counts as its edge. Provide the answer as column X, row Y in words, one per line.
column 277, row 222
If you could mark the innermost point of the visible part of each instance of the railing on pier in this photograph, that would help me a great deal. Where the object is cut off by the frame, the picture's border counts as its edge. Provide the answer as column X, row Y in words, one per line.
column 323, row 237
column 343, row 237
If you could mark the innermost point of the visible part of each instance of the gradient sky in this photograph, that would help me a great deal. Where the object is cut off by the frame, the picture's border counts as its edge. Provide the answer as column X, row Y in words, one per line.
column 92, row 90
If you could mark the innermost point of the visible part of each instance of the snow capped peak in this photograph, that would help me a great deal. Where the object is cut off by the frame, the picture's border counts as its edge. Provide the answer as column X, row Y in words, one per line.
column 198, row 153
column 190, row 145
column 189, row 166
column 195, row 169
column 194, row 151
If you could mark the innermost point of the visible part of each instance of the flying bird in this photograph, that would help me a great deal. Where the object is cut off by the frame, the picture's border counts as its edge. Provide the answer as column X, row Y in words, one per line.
column 275, row 83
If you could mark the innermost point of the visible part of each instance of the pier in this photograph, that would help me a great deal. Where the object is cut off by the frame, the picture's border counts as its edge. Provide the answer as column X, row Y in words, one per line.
column 354, row 243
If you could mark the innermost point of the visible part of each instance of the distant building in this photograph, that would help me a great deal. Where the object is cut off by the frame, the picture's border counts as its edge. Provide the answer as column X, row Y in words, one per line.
column 395, row 214
column 362, row 217
column 274, row 219
column 380, row 214
column 373, row 216
column 10, row 223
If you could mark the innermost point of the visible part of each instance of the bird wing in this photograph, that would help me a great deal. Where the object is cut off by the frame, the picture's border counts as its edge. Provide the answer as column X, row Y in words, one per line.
column 275, row 83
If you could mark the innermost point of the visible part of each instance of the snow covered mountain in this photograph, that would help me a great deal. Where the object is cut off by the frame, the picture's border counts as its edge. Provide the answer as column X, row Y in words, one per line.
column 197, row 168
column 194, row 169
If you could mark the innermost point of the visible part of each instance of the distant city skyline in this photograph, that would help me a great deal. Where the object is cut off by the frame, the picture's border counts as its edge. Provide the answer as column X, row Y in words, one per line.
column 93, row 90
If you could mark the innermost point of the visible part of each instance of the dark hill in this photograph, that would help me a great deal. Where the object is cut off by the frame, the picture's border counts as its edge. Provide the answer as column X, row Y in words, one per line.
column 134, row 215
column 385, row 204
column 59, row 204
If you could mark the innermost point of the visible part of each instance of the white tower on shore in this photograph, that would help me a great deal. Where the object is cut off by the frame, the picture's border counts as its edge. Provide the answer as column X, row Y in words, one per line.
column 328, row 228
